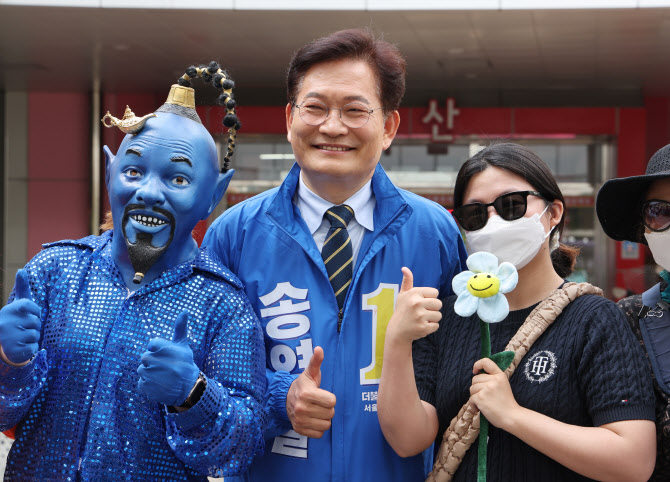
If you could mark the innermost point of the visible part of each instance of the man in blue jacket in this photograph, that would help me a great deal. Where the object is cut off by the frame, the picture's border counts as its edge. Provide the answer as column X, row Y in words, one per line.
column 321, row 259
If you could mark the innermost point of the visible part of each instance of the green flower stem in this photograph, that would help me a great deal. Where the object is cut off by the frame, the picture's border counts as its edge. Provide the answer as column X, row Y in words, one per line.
column 485, row 338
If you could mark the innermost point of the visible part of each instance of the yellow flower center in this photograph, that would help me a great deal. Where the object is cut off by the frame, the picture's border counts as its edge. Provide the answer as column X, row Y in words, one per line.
column 483, row 285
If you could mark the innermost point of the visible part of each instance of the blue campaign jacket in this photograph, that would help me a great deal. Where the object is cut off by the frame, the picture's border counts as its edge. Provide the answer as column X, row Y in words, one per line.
column 265, row 241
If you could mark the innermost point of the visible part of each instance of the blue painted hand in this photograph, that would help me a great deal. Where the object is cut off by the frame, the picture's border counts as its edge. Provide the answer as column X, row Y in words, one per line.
column 167, row 372
column 20, row 324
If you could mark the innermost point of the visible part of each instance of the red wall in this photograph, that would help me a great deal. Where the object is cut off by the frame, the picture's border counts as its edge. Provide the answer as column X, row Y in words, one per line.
column 58, row 167
column 658, row 123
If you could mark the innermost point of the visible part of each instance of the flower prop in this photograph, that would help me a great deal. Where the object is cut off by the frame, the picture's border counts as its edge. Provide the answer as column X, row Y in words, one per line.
column 481, row 290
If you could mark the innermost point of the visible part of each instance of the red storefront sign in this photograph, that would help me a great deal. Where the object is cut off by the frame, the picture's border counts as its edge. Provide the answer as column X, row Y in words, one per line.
column 485, row 122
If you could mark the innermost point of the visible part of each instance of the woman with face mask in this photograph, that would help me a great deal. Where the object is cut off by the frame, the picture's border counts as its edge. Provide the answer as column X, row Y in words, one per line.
column 579, row 406
column 638, row 209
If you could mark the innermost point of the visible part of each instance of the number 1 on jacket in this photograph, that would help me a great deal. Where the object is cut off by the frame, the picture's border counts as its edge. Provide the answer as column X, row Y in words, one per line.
column 382, row 303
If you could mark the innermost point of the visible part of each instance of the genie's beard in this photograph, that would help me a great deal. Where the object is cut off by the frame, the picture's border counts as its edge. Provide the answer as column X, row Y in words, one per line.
column 141, row 253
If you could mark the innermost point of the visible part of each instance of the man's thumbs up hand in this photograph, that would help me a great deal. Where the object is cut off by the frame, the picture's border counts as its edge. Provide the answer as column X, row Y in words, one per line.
column 309, row 408
column 313, row 369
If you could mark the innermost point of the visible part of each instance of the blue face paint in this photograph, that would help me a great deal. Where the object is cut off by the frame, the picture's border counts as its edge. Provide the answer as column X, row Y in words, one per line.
column 162, row 181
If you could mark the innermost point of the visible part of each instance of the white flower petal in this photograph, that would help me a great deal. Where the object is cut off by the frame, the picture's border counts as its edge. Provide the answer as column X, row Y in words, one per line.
column 493, row 309
column 482, row 262
column 466, row 304
column 460, row 282
column 508, row 276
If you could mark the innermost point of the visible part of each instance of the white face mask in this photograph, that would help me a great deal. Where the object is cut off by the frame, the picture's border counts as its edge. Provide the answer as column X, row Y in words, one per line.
column 516, row 242
column 659, row 245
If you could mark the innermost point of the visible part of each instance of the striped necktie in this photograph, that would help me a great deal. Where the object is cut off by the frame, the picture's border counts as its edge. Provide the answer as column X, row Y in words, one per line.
column 337, row 252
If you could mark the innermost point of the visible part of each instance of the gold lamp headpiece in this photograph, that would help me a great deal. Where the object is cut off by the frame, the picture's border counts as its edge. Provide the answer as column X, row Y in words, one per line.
column 129, row 124
column 181, row 101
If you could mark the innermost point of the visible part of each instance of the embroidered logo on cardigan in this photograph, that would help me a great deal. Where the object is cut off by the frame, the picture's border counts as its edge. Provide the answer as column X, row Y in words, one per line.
column 540, row 367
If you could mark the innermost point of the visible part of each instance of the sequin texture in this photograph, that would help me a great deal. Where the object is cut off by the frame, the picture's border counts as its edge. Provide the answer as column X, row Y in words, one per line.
column 79, row 411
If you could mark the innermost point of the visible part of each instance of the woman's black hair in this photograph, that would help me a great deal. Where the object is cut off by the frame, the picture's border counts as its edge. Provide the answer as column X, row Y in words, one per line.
column 523, row 162
column 220, row 80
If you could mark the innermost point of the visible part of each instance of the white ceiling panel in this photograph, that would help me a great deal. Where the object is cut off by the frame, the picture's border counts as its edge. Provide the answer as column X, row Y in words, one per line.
column 137, row 49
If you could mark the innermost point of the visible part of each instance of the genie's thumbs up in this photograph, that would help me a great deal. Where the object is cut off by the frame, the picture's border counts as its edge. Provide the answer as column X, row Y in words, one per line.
column 22, row 286
column 167, row 372
column 181, row 328
column 20, row 324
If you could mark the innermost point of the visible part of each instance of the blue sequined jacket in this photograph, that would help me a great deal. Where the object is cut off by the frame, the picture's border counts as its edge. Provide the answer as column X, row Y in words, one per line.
column 79, row 413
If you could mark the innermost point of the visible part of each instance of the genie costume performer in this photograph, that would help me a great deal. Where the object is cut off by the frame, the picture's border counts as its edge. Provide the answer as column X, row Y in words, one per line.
column 135, row 355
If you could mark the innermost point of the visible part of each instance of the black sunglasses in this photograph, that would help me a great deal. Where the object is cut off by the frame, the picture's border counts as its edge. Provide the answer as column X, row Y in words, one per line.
column 656, row 214
column 509, row 206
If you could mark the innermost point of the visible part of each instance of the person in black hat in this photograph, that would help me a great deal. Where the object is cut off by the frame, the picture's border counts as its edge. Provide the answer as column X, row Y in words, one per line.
column 638, row 209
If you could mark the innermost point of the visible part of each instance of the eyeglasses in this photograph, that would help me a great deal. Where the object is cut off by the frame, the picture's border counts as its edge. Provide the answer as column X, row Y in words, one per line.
column 509, row 206
column 656, row 214
column 353, row 115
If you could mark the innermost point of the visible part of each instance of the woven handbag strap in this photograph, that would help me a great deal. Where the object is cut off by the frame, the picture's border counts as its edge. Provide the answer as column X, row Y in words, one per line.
column 464, row 428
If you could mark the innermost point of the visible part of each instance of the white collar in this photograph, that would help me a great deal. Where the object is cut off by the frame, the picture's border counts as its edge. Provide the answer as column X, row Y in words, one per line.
column 313, row 207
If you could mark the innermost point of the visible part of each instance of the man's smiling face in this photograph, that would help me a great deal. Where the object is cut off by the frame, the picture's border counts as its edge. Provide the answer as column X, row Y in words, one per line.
column 161, row 183
column 332, row 150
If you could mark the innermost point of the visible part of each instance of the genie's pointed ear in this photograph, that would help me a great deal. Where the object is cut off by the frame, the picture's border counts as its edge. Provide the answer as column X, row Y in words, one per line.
column 109, row 157
column 221, row 187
